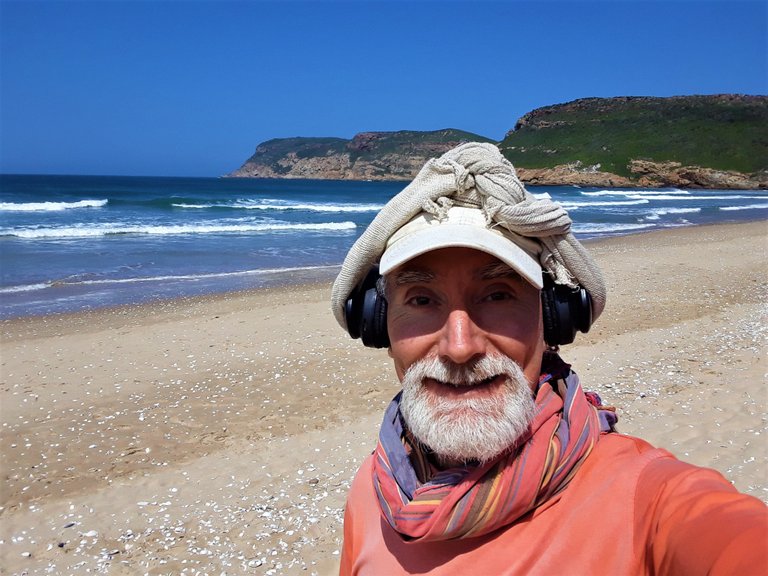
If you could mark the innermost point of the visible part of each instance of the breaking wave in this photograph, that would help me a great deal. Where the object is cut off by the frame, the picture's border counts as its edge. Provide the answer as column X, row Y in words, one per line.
column 50, row 206
column 98, row 230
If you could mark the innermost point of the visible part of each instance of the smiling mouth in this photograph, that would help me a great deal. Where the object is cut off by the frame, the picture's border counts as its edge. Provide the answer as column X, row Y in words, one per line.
column 466, row 386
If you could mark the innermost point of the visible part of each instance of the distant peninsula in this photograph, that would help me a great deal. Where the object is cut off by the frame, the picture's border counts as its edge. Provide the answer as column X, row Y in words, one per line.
column 718, row 141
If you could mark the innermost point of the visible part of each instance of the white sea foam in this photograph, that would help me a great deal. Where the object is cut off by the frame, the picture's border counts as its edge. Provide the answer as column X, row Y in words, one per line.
column 163, row 278
column 85, row 231
column 657, row 213
column 634, row 192
column 23, row 288
column 608, row 228
column 748, row 207
column 50, row 206
column 276, row 205
column 576, row 205
column 665, row 196
column 310, row 207
column 172, row 277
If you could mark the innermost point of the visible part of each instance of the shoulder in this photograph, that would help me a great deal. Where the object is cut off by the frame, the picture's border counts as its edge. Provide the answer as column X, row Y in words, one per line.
column 689, row 519
column 648, row 471
column 655, row 488
column 618, row 458
column 654, row 468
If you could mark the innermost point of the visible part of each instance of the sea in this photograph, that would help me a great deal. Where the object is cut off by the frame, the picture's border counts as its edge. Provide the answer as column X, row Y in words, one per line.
column 73, row 243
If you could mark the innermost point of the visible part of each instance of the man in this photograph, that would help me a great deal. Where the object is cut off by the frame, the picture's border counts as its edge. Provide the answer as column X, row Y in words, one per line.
column 492, row 459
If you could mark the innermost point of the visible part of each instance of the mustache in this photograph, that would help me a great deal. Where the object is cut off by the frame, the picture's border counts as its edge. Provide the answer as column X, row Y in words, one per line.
column 467, row 429
column 475, row 372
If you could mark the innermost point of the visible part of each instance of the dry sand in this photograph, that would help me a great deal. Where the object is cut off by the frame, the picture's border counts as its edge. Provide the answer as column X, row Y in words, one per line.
column 220, row 435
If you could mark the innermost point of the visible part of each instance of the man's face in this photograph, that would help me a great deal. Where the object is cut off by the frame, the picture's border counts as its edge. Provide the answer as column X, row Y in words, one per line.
column 466, row 339
column 460, row 304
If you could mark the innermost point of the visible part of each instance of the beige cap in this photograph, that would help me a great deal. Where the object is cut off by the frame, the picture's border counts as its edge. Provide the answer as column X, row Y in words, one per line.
column 473, row 175
column 461, row 228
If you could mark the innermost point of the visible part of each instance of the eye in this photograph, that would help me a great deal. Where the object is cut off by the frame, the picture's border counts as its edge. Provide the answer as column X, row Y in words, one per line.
column 499, row 295
column 419, row 300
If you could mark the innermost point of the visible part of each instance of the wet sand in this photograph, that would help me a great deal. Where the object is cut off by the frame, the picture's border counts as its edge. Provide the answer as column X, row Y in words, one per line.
column 219, row 435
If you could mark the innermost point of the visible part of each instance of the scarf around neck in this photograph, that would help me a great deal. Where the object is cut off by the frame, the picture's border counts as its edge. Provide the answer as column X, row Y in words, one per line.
column 425, row 504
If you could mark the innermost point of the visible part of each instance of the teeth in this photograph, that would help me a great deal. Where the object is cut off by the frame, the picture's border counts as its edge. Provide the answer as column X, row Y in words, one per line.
column 473, row 383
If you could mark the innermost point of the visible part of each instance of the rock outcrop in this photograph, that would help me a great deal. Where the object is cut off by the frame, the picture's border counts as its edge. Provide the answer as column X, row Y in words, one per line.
column 368, row 156
column 648, row 175
column 654, row 174
column 715, row 141
column 572, row 175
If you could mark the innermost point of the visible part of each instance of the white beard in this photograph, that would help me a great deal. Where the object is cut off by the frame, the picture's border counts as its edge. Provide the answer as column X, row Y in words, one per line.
column 473, row 429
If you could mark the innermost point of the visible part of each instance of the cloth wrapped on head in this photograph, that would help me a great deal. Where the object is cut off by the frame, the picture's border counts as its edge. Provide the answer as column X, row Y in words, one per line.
column 468, row 185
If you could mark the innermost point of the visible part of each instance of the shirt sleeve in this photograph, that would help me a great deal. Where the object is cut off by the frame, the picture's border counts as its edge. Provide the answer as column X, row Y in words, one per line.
column 698, row 523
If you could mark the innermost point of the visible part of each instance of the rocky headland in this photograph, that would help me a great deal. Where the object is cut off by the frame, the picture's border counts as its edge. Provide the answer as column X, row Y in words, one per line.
column 367, row 156
column 716, row 142
column 647, row 174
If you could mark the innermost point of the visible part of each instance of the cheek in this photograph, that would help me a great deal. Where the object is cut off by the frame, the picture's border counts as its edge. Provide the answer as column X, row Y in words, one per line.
column 410, row 340
column 522, row 340
column 405, row 352
column 532, row 348
column 536, row 347
column 518, row 328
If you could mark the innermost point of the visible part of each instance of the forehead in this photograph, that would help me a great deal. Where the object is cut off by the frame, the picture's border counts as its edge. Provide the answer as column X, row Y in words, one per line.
column 448, row 263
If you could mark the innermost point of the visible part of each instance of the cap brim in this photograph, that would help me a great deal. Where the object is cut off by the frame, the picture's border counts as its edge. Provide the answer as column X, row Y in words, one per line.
column 449, row 235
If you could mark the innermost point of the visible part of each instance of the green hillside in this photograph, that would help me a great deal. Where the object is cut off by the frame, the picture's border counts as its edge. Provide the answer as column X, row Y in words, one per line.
column 726, row 132
column 369, row 155
column 272, row 151
column 364, row 143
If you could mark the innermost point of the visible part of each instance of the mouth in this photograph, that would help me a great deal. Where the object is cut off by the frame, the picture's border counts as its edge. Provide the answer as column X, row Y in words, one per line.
column 486, row 385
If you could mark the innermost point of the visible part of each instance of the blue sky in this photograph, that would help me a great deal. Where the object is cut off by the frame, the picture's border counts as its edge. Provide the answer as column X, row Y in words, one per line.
column 178, row 88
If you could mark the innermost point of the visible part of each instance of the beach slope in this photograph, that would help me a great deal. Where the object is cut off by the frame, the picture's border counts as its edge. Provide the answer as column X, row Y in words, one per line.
column 219, row 435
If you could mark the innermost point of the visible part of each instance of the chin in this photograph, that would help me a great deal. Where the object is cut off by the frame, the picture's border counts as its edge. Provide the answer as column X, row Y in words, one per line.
column 467, row 423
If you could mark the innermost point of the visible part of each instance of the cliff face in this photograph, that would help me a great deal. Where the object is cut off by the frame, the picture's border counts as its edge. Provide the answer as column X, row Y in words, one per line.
column 368, row 156
column 674, row 174
column 646, row 175
column 684, row 141
column 716, row 141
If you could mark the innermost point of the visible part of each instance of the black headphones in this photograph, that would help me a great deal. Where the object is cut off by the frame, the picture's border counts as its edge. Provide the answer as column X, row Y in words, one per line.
column 565, row 311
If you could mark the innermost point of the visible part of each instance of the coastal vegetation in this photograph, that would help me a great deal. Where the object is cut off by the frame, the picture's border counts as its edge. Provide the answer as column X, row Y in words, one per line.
column 726, row 132
column 368, row 156
column 718, row 141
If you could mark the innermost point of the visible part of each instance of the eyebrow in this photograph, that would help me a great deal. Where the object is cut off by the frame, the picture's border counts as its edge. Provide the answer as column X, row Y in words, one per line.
column 497, row 270
column 488, row 272
column 413, row 277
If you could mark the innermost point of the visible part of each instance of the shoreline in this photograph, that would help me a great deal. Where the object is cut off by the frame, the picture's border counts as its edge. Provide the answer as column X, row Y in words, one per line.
column 221, row 432
column 310, row 276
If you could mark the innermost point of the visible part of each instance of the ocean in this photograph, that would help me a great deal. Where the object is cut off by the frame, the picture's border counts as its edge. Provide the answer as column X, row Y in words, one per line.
column 70, row 243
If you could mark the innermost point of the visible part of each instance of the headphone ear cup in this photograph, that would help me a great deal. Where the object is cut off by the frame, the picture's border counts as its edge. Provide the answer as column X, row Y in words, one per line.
column 373, row 328
column 353, row 314
column 564, row 312
column 548, row 314
column 582, row 310
column 365, row 312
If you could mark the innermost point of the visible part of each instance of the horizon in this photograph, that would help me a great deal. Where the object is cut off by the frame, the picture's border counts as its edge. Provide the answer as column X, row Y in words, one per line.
column 227, row 175
column 189, row 89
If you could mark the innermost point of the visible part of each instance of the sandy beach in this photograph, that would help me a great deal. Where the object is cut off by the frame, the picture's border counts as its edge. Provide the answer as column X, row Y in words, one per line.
column 219, row 435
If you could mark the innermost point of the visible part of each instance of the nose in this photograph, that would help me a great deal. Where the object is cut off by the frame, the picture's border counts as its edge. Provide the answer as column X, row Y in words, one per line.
column 461, row 339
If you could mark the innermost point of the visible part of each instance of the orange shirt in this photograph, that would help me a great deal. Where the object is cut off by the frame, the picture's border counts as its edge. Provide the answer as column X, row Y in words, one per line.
column 631, row 509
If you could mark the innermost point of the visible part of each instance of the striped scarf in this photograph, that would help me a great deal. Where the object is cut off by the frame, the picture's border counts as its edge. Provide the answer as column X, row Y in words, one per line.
column 424, row 503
